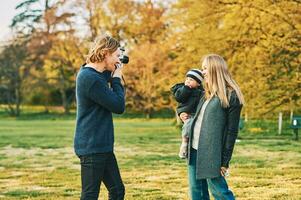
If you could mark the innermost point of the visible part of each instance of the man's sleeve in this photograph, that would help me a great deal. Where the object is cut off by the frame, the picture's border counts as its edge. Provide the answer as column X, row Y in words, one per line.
column 110, row 98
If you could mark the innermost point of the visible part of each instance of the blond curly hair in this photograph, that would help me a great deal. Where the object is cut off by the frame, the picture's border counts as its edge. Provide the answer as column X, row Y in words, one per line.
column 101, row 46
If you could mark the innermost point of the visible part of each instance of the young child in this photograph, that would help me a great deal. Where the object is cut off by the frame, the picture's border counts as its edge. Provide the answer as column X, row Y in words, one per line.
column 188, row 95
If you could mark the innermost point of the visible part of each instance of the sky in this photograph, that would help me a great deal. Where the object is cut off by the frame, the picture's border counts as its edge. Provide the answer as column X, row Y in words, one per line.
column 7, row 12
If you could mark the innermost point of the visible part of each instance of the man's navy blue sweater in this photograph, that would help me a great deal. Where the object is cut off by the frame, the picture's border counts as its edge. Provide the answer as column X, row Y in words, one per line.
column 96, row 102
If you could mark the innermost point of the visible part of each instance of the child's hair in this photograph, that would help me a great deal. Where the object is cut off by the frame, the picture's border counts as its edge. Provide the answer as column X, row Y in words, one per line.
column 102, row 45
column 220, row 81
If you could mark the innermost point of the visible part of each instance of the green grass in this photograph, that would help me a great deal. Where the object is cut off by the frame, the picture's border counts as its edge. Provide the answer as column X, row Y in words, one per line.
column 266, row 129
column 37, row 161
column 29, row 112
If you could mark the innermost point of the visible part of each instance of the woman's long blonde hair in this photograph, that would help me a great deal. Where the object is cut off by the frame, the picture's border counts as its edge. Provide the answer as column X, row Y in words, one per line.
column 219, row 80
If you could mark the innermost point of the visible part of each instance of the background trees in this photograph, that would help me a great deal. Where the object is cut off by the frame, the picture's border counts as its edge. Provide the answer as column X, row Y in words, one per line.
column 13, row 73
column 259, row 39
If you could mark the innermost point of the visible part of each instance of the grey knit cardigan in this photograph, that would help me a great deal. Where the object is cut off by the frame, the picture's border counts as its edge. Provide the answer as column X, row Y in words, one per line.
column 217, row 136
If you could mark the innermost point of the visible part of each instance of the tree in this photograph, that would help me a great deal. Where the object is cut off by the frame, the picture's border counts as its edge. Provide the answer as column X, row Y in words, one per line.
column 270, row 36
column 259, row 40
column 149, row 79
column 42, row 23
column 141, row 26
column 107, row 16
column 13, row 71
column 26, row 20
column 61, row 64
column 149, row 71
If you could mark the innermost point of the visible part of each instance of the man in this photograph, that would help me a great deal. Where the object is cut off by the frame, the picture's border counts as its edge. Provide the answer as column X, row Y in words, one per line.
column 94, row 134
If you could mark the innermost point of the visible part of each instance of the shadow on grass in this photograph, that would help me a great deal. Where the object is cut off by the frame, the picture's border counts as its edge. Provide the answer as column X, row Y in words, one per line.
column 22, row 193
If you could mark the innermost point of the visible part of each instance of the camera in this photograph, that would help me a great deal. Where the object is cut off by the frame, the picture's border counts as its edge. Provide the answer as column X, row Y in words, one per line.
column 123, row 58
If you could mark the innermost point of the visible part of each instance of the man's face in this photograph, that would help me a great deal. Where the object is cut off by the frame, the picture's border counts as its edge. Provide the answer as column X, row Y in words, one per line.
column 112, row 59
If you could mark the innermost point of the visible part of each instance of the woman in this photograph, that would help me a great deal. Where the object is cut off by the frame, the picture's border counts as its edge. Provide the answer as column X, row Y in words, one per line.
column 214, row 131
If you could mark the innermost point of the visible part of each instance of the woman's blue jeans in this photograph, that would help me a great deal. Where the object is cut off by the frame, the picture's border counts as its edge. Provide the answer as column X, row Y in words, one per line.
column 199, row 187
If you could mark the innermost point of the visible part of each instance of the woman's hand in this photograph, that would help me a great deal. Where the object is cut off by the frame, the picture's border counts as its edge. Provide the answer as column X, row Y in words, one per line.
column 224, row 171
column 184, row 116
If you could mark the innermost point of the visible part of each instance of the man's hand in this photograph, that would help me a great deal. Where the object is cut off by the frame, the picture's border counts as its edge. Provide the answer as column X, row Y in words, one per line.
column 184, row 116
column 118, row 72
column 224, row 171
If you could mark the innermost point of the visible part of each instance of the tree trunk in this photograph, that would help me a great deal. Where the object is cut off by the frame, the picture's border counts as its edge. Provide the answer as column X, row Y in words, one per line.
column 291, row 114
column 64, row 101
column 11, row 110
column 280, row 123
column 18, row 101
column 62, row 89
column 14, row 103
column 147, row 115
column 46, row 108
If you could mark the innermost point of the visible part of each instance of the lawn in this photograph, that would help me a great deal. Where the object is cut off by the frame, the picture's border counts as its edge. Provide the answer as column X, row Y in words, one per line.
column 37, row 161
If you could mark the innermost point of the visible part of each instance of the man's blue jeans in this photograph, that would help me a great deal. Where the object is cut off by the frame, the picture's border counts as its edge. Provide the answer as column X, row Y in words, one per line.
column 97, row 168
column 199, row 187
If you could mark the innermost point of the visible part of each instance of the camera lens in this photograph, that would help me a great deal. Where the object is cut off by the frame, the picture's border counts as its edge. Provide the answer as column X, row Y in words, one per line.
column 124, row 59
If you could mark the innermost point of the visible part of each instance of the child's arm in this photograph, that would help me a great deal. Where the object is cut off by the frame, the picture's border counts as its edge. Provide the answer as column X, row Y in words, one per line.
column 181, row 92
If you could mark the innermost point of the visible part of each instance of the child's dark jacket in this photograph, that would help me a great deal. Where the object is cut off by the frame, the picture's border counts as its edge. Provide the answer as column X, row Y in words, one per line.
column 188, row 98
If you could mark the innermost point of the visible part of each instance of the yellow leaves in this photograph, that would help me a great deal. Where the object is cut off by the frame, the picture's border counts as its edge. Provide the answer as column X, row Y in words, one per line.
column 259, row 40
column 255, row 130
column 148, row 77
column 63, row 60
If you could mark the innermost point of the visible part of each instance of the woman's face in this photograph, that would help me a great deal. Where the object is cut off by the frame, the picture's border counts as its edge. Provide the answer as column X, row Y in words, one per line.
column 205, row 73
